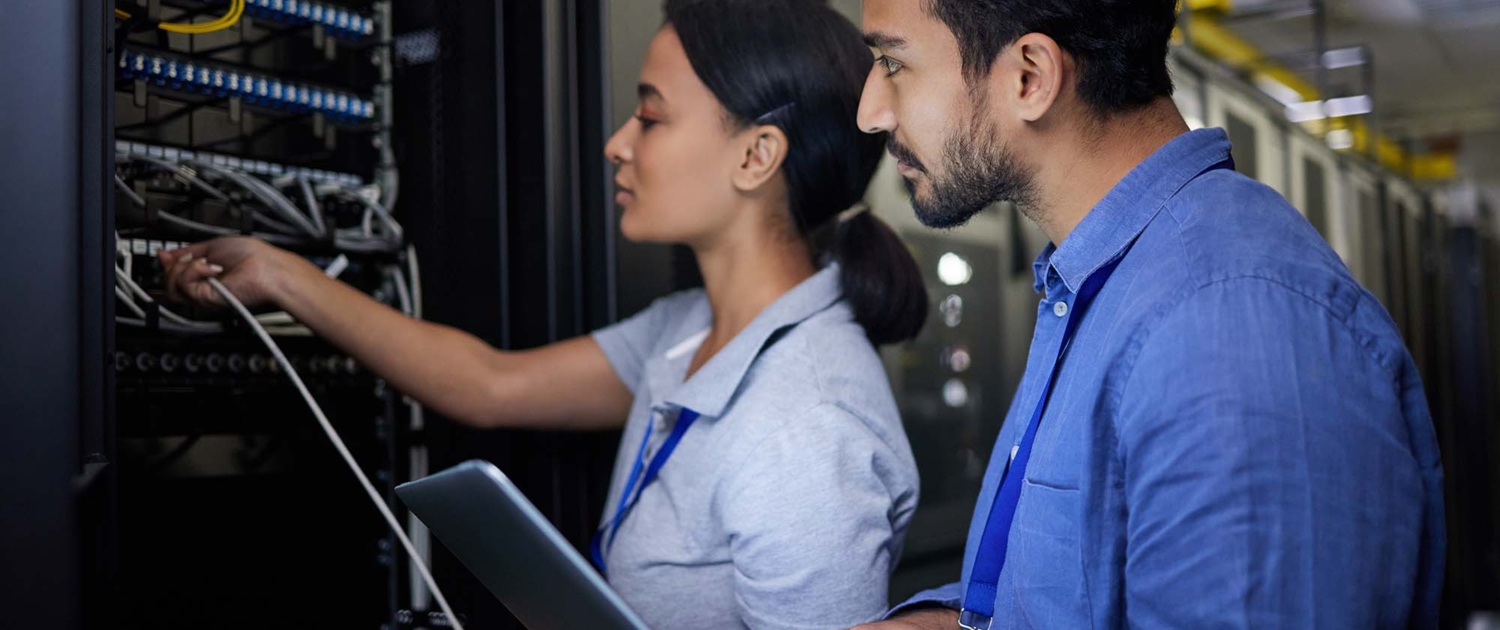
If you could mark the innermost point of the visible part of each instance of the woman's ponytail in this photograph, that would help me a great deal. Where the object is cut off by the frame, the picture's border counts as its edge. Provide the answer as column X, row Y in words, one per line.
column 881, row 281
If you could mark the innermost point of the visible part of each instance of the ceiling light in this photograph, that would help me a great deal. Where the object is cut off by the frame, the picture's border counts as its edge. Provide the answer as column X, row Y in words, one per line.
column 1349, row 106
column 1305, row 112
column 1344, row 58
column 1277, row 90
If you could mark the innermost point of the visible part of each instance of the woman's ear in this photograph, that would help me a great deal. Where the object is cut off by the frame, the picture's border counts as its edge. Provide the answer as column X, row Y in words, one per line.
column 763, row 150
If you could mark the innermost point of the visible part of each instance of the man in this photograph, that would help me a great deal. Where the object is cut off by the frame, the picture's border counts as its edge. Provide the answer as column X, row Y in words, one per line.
column 1235, row 435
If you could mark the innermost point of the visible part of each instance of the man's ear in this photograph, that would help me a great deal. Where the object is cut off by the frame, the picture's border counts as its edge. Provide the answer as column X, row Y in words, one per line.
column 763, row 150
column 1030, row 75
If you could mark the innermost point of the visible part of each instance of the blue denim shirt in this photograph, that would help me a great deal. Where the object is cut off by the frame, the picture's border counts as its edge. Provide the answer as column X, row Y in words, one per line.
column 1237, row 437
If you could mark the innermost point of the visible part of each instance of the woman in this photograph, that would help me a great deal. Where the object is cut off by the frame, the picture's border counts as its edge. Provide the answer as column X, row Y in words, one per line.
column 791, row 484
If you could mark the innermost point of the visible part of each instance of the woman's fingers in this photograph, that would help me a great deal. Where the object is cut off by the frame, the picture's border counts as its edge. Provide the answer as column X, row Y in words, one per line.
column 187, row 280
column 195, row 284
column 173, row 273
column 170, row 257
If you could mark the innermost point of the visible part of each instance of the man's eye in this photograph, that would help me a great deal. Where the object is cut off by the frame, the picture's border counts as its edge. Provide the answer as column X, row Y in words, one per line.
column 891, row 65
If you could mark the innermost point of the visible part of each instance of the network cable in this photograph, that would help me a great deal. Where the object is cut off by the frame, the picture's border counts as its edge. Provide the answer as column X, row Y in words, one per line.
column 289, row 225
column 338, row 443
column 236, row 9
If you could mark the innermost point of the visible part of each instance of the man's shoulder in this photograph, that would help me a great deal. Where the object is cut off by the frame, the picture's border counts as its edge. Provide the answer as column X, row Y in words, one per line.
column 1227, row 229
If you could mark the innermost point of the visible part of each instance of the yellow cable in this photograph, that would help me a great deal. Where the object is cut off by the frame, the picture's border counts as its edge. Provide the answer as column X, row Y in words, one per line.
column 236, row 9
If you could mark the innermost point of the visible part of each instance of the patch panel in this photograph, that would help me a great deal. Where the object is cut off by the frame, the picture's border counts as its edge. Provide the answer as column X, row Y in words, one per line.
column 338, row 22
column 196, row 77
column 188, row 364
column 257, row 167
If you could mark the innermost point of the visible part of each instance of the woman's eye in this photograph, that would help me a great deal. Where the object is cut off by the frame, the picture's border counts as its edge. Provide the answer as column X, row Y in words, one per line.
column 891, row 65
column 646, row 123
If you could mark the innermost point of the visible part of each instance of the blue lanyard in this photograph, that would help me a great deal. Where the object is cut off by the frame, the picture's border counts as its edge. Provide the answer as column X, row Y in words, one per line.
column 605, row 537
column 979, row 598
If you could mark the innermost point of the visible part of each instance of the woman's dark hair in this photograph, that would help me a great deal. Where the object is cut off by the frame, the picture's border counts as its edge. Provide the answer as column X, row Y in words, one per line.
column 799, row 65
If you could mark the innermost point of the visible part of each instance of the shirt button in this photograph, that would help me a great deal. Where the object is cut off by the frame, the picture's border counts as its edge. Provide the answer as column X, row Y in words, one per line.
column 1060, row 308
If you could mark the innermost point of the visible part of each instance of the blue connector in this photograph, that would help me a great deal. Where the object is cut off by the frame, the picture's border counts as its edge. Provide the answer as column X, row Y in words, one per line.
column 257, row 90
column 156, row 70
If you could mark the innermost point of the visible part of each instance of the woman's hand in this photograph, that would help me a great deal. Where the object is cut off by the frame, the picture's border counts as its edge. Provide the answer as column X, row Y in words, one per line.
column 249, row 268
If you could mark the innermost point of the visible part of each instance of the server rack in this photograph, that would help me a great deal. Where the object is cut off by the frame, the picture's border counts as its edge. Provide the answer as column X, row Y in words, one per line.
column 178, row 496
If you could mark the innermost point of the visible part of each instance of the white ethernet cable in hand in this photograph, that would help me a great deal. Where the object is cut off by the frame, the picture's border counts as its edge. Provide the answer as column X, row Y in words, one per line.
column 338, row 443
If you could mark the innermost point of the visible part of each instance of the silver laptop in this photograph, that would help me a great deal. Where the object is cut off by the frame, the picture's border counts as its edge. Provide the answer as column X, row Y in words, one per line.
column 506, row 542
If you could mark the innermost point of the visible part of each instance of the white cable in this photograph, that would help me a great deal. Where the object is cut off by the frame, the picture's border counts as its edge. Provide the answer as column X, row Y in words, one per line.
column 274, row 239
column 129, row 303
column 129, row 192
column 122, row 278
column 415, row 273
column 348, row 240
column 403, row 296
column 411, row 304
column 164, row 325
column 392, row 228
column 312, row 204
column 267, row 195
column 184, row 173
column 338, row 443
column 337, row 267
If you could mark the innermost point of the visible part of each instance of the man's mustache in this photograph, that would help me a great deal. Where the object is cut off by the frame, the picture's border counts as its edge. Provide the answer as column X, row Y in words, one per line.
column 900, row 152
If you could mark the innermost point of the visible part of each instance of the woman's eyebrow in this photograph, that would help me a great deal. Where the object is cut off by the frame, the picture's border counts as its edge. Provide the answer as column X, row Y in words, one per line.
column 647, row 92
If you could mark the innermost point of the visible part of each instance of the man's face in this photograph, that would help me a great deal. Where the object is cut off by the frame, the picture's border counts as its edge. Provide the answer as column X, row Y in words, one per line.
column 944, row 130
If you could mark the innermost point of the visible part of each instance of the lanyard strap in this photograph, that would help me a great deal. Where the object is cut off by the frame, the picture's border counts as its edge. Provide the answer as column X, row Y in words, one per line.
column 605, row 537
column 979, row 598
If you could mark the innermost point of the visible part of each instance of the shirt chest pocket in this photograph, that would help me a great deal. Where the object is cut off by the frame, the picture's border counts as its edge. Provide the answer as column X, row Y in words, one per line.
column 1049, row 581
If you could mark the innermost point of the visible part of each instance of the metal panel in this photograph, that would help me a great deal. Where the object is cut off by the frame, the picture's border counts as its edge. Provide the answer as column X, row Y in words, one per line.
column 1264, row 157
column 41, row 146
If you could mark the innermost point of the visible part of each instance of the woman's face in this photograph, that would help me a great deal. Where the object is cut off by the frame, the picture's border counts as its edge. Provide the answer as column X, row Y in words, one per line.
column 676, row 156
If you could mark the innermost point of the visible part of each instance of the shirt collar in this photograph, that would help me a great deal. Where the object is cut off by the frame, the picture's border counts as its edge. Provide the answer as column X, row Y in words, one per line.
column 709, row 391
column 1115, row 222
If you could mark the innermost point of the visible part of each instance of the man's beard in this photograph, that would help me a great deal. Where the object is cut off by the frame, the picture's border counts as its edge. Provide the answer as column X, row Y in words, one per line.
column 978, row 170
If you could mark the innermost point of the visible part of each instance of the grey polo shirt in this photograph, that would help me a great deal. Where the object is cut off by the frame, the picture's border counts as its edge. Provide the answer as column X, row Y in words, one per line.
column 786, row 503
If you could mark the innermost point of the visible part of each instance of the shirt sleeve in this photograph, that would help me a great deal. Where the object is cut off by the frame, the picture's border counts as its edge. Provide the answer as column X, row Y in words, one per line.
column 1272, row 477
column 815, row 517
column 628, row 343
column 950, row 596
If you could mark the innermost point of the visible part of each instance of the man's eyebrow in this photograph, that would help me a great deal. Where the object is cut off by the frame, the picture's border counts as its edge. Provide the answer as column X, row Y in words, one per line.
column 884, row 41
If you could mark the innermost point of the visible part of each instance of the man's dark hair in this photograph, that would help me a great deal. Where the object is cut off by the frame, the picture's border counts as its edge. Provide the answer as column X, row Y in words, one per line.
column 1120, row 45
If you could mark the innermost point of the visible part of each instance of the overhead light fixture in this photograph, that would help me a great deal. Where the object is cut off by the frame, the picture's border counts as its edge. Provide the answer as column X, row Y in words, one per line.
column 1306, row 111
column 1340, row 139
column 1344, row 58
column 1349, row 106
column 1277, row 90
